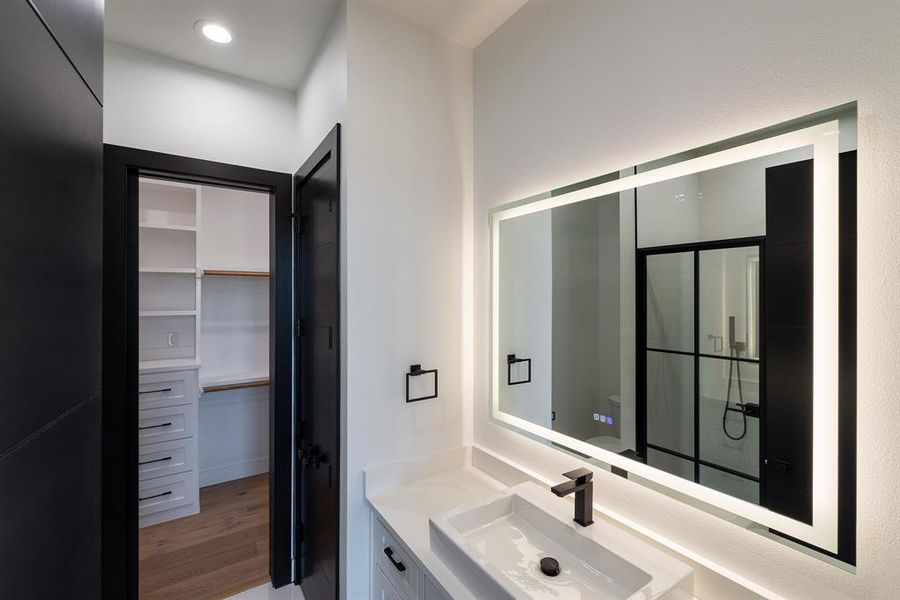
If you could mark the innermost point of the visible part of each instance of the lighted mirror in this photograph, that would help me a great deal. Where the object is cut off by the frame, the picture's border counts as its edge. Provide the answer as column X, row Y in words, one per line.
column 691, row 322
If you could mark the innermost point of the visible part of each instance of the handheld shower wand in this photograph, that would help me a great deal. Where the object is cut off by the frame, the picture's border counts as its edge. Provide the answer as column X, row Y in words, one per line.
column 735, row 349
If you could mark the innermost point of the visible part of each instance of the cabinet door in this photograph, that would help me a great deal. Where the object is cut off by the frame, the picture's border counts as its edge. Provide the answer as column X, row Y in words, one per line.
column 432, row 592
column 381, row 587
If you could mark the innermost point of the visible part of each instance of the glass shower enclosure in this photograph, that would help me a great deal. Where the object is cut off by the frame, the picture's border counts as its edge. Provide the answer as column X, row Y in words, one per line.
column 700, row 376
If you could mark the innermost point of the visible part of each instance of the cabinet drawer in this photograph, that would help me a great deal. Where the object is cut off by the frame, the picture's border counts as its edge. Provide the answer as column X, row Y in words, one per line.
column 398, row 566
column 159, row 390
column 164, row 493
column 381, row 587
column 165, row 458
column 166, row 424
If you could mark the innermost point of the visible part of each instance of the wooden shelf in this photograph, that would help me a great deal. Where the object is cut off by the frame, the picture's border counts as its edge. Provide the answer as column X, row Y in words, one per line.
column 225, row 273
column 234, row 382
column 167, row 313
column 167, row 227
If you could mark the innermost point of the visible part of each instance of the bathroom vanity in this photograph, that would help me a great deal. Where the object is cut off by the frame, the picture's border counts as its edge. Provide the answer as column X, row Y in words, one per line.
column 655, row 323
column 444, row 528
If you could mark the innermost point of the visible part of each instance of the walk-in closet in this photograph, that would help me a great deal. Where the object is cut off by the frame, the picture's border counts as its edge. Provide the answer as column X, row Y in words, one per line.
column 203, row 420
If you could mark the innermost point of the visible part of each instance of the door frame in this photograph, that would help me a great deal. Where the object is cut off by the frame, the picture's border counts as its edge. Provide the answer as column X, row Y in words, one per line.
column 121, row 169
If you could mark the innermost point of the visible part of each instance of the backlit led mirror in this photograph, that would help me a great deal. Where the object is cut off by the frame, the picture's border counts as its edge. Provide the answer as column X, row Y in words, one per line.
column 691, row 322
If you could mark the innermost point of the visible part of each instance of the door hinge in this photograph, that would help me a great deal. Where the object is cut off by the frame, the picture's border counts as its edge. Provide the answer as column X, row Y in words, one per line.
column 298, row 327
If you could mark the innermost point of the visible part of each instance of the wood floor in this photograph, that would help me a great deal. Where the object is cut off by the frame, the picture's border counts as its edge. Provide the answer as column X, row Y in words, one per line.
column 220, row 552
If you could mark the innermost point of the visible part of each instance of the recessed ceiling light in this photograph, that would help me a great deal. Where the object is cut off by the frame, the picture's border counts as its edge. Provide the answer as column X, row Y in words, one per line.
column 213, row 31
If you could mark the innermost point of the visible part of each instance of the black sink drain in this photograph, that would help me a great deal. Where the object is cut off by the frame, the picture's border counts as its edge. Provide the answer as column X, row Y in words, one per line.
column 549, row 566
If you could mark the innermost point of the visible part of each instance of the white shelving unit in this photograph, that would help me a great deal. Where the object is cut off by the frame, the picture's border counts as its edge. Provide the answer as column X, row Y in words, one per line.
column 169, row 308
column 204, row 292
column 167, row 227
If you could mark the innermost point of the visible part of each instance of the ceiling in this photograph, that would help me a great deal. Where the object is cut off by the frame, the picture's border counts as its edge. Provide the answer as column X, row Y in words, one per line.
column 274, row 40
column 466, row 22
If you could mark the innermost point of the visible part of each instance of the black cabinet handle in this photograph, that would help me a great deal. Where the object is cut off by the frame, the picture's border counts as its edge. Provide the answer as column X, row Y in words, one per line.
column 397, row 564
column 147, row 462
column 156, row 391
column 153, row 426
column 156, row 496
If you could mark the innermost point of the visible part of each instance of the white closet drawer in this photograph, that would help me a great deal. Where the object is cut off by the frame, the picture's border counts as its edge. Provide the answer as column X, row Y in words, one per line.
column 166, row 424
column 159, row 390
column 165, row 493
column 165, row 458
column 397, row 565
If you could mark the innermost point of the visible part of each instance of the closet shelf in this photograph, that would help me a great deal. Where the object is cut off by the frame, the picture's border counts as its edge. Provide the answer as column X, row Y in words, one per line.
column 167, row 313
column 167, row 364
column 221, row 383
column 167, row 227
column 227, row 273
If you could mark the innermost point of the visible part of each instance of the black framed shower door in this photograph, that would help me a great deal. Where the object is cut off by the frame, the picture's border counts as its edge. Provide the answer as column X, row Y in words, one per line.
column 690, row 351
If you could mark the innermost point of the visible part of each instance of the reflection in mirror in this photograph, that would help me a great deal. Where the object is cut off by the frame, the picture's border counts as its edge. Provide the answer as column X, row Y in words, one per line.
column 672, row 323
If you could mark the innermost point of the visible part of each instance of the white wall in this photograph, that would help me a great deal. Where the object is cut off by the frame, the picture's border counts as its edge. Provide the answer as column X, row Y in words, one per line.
column 234, row 434
column 409, row 151
column 557, row 100
column 322, row 99
column 156, row 103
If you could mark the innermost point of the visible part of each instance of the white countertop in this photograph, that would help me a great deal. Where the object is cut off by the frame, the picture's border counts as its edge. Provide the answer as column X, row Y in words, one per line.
column 405, row 495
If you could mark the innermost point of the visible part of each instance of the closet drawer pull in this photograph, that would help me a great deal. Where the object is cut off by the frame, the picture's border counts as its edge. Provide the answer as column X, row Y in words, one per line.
column 159, row 391
column 153, row 426
column 147, row 462
column 397, row 564
column 155, row 496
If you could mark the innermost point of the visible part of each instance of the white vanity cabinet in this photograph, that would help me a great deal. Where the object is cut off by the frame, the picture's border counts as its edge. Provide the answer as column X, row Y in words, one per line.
column 396, row 573
column 381, row 587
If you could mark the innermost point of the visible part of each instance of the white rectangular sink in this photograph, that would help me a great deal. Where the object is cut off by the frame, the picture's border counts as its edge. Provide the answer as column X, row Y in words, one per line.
column 495, row 547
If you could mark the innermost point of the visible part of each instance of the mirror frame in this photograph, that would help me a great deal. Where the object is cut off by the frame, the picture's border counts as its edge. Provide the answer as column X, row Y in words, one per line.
column 824, row 140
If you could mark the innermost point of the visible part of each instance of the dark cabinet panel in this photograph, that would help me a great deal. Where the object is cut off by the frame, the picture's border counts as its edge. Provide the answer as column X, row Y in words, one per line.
column 77, row 26
column 50, row 547
column 789, row 203
column 50, row 234
column 50, row 268
column 789, row 346
column 789, row 340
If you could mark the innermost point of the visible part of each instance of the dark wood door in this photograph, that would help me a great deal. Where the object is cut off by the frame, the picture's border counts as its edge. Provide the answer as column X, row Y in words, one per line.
column 50, row 270
column 317, row 202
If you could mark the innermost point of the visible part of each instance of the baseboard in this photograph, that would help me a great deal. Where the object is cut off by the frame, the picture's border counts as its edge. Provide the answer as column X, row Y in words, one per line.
column 223, row 473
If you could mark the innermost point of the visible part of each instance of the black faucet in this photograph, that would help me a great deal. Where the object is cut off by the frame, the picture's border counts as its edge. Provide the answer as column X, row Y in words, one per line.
column 580, row 483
